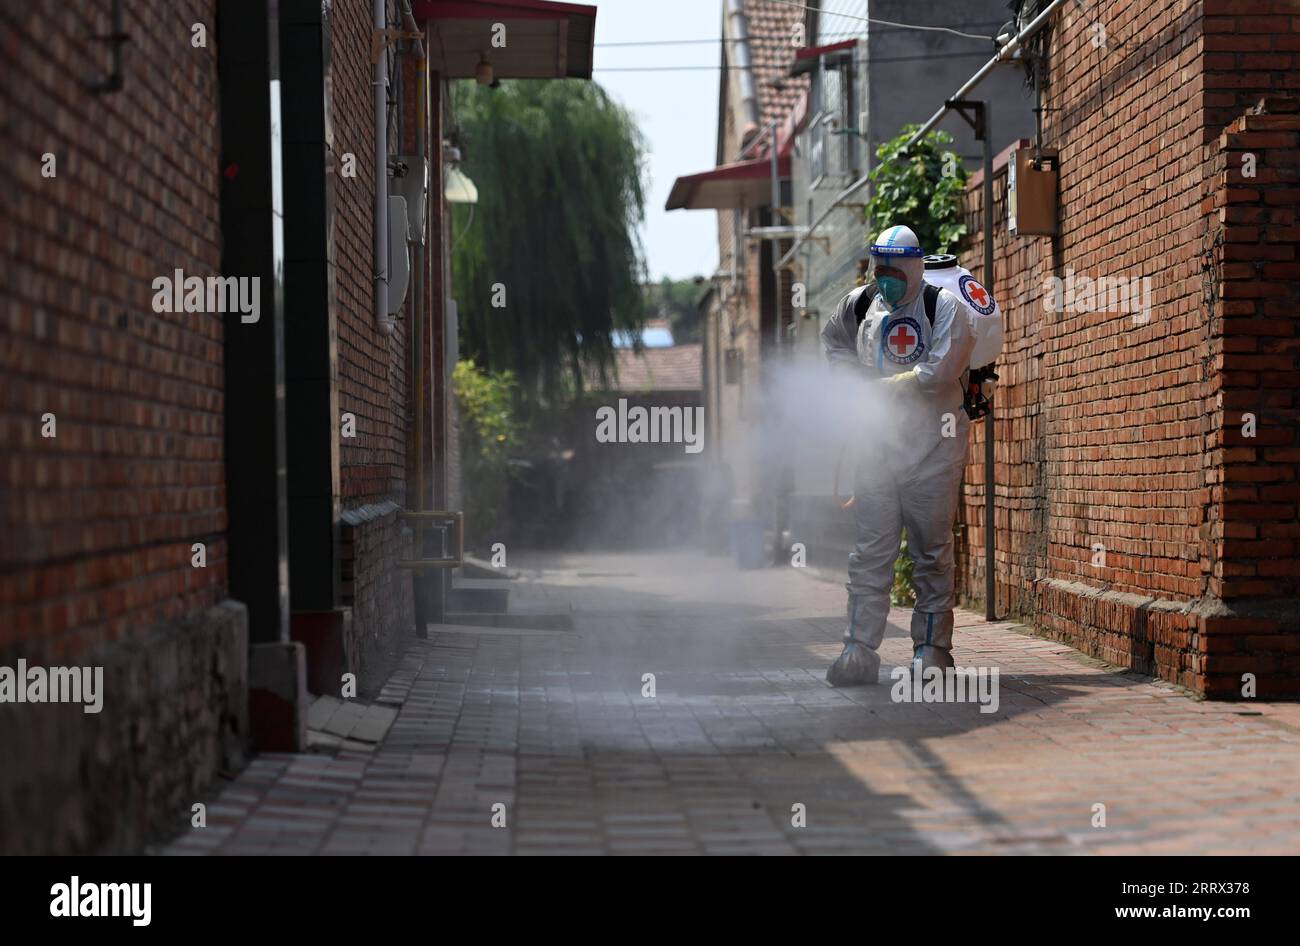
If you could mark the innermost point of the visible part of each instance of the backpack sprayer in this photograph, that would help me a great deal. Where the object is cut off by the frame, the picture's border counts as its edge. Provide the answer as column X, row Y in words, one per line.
column 942, row 270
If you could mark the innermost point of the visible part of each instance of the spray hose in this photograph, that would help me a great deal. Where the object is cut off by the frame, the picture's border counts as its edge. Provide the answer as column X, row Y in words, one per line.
column 848, row 503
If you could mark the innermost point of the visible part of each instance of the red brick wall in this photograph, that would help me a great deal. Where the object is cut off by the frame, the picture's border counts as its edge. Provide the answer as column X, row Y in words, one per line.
column 372, row 363
column 1021, row 507
column 1251, row 49
column 1254, row 442
column 99, row 520
column 1110, row 429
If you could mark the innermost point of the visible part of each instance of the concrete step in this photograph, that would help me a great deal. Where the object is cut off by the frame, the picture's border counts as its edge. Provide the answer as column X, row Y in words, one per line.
column 348, row 724
column 490, row 595
column 526, row 621
column 477, row 568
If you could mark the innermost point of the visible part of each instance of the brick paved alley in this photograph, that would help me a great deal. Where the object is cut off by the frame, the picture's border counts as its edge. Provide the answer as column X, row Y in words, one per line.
column 552, row 724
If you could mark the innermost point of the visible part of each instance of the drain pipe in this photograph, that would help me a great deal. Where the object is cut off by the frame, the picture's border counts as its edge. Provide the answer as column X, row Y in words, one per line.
column 739, row 53
column 414, row 33
column 990, row 550
column 381, row 172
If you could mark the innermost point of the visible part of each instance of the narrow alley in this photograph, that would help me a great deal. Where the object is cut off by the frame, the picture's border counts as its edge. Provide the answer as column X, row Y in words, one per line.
column 738, row 427
column 550, row 722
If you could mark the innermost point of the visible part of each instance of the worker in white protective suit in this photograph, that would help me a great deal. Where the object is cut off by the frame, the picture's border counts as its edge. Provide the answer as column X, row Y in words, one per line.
column 913, row 343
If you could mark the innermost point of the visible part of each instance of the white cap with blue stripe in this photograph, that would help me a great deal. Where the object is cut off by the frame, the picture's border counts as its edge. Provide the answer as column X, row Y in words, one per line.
column 897, row 242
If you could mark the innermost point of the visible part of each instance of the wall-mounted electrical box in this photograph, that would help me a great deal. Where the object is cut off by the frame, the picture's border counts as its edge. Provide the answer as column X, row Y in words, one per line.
column 1032, row 192
column 399, row 254
column 414, row 186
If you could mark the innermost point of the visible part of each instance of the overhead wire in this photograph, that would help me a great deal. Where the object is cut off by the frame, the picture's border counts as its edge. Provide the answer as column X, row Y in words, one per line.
column 878, row 22
column 726, row 68
column 847, row 34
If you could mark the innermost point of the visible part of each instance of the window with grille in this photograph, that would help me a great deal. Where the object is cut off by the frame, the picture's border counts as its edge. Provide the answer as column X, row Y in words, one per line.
column 833, row 145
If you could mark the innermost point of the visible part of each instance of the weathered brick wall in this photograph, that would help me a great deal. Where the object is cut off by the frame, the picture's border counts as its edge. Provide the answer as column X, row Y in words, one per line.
column 372, row 363
column 1112, row 510
column 175, row 715
column 1022, row 471
column 1253, row 447
column 1251, row 49
column 98, row 521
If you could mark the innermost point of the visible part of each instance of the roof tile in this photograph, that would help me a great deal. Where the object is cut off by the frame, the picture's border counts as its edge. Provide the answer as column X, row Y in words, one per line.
column 772, row 53
column 677, row 368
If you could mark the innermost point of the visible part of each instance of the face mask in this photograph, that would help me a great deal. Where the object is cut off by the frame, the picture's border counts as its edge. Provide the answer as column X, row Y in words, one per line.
column 892, row 288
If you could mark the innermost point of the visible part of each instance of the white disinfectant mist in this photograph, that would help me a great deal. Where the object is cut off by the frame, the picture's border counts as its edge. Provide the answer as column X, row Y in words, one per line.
column 826, row 423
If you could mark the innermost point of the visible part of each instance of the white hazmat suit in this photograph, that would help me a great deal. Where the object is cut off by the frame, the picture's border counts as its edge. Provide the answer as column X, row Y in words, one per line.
column 909, row 462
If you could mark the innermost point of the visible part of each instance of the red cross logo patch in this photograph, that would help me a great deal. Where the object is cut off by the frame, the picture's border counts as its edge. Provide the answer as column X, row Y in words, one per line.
column 902, row 341
column 976, row 296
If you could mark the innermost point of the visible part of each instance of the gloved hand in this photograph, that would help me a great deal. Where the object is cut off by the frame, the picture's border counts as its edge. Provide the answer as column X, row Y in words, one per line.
column 903, row 381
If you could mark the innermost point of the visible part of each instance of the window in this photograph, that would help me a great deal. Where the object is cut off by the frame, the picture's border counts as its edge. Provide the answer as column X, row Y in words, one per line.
column 833, row 132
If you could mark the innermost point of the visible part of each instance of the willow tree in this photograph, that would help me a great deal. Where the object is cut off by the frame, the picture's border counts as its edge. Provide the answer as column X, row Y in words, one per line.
column 548, row 264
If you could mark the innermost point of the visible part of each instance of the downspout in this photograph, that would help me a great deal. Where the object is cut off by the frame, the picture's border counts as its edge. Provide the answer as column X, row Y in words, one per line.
column 426, row 587
column 417, row 325
column 990, row 579
column 408, row 22
column 380, row 222
column 415, row 336
column 776, row 172
column 742, row 66
column 776, row 246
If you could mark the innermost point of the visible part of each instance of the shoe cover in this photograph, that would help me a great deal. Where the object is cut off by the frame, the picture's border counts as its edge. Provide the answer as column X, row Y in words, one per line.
column 932, row 640
column 857, row 664
column 929, row 656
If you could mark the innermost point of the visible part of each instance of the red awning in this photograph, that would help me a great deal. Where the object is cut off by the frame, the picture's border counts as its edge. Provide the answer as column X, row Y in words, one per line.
column 543, row 40
column 743, row 184
column 806, row 59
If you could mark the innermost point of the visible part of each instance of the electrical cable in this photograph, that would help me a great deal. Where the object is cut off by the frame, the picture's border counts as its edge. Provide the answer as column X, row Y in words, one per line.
column 848, row 34
column 873, row 20
column 864, row 61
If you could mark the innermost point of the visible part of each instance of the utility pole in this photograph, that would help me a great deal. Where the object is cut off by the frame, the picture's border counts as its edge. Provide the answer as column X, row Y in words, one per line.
column 978, row 114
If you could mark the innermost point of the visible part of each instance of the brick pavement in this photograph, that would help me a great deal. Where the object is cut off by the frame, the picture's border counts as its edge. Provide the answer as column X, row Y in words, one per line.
column 553, row 726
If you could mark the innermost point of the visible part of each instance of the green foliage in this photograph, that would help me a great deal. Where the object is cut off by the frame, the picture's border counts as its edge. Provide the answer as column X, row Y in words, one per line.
column 676, row 299
column 488, row 432
column 558, row 166
column 910, row 188
column 903, row 593
column 485, row 401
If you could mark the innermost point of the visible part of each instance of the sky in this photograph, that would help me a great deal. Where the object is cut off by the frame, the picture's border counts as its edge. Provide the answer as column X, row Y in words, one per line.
column 676, row 111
